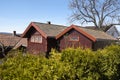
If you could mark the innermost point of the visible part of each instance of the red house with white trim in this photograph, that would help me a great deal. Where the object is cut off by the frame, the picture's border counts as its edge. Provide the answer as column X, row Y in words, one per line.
column 76, row 36
column 42, row 37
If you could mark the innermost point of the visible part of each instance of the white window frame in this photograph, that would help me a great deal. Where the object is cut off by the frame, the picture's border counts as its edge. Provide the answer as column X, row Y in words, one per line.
column 36, row 39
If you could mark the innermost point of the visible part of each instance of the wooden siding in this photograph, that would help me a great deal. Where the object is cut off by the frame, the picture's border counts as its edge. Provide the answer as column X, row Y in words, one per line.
column 100, row 44
column 83, row 42
column 51, row 43
column 36, row 48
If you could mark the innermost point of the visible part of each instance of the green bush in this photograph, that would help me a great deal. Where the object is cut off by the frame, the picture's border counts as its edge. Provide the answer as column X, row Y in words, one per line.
column 21, row 67
column 83, row 63
column 70, row 64
column 109, row 62
column 32, row 67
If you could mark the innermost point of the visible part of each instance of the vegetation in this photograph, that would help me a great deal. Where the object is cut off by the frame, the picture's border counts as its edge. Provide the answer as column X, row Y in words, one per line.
column 71, row 64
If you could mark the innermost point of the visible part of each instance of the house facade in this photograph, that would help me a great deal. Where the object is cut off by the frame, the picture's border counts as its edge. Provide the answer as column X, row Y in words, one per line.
column 71, row 37
column 41, row 37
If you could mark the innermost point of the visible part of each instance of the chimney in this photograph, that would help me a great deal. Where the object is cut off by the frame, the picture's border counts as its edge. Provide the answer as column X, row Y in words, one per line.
column 49, row 22
column 14, row 33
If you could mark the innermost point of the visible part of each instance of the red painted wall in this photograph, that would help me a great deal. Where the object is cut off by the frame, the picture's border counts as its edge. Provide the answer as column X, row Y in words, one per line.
column 36, row 48
column 64, row 41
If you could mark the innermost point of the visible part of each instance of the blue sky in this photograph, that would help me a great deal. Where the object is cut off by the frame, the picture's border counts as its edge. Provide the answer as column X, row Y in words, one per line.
column 17, row 14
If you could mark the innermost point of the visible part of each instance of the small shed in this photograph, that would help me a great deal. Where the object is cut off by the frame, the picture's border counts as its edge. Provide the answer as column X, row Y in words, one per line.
column 76, row 36
column 42, row 37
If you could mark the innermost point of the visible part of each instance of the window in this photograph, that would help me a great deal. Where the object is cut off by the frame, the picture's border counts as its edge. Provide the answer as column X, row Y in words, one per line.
column 36, row 39
column 74, row 38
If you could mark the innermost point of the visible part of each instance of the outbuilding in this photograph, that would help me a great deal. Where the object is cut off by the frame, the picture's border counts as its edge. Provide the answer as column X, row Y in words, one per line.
column 42, row 37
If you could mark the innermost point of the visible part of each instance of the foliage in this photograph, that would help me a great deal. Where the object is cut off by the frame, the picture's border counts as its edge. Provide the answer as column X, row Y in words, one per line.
column 83, row 63
column 109, row 60
column 32, row 67
column 71, row 64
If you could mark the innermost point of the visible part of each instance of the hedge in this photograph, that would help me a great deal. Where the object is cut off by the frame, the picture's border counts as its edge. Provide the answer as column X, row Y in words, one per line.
column 70, row 64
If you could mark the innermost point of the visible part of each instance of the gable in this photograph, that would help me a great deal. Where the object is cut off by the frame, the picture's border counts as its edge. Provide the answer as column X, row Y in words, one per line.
column 46, row 30
column 36, row 37
column 74, row 36
column 77, row 29
column 93, row 35
column 74, row 39
column 113, row 32
column 51, row 30
column 30, row 30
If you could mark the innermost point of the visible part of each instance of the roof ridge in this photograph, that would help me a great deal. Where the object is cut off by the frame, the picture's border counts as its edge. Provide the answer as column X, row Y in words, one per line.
column 50, row 24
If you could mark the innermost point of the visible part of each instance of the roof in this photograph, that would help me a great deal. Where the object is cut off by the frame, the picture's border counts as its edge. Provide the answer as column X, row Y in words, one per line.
column 91, row 27
column 52, row 30
column 47, row 30
column 9, row 39
column 93, row 35
column 113, row 28
column 22, row 42
column 99, row 35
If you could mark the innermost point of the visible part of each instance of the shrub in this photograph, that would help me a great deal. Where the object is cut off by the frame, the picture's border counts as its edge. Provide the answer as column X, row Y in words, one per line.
column 21, row 67
column 109, row 62
column 71, row 64
column 32, row 67
column 83, row 63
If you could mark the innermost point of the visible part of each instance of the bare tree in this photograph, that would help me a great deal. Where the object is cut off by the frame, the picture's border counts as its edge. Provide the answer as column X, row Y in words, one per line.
column 3, row 49
column 102, row 13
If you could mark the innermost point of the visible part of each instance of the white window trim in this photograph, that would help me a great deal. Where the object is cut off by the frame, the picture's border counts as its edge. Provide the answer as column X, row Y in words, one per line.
column 36, row 39
column 77, row 38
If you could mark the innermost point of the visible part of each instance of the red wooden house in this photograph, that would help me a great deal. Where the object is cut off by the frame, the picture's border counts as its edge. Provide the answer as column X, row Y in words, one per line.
column 42, row 37
column 76, row 36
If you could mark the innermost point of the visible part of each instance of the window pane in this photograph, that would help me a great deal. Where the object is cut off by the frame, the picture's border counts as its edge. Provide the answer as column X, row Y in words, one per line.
column 32, row 39
column 36, row 39
column 40, row 39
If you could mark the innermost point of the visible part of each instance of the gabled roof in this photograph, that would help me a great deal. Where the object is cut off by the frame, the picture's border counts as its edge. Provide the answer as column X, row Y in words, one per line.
column 89, row 33
column 22, row 42
column 46, row 30
column 114, row 28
